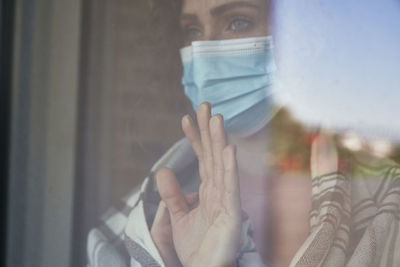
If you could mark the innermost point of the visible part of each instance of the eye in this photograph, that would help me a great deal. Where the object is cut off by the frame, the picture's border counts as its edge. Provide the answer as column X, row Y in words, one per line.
column 240, row 24
column 192, row 34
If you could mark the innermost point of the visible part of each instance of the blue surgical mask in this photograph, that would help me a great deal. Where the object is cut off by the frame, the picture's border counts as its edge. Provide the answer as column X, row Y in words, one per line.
column 235, row 76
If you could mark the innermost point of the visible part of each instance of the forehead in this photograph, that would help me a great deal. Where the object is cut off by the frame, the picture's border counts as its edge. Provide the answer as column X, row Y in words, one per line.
column 196, row 6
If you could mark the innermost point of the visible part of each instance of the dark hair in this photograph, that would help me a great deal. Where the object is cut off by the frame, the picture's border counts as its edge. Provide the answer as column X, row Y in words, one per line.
column 164, row 17
column 155, row 5
column 178, row 5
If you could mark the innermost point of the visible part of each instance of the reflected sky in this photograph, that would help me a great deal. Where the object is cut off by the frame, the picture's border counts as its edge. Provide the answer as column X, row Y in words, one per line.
column 339, row 63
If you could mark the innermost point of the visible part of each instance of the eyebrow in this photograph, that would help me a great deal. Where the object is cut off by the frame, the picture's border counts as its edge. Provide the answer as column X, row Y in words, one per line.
column 220, row 9
column 225, row 7
column 187, row 16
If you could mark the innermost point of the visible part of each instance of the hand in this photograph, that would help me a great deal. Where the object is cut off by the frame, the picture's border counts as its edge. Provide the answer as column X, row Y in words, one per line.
column 161, row 232
column 209, row 234
column 324, row 155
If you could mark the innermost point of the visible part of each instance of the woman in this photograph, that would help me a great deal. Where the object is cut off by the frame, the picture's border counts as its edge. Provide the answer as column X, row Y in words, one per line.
column 228, row 76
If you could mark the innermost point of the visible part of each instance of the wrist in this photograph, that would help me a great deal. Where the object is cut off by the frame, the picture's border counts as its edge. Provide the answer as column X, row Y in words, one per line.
column 168, row 254
column 216, row 261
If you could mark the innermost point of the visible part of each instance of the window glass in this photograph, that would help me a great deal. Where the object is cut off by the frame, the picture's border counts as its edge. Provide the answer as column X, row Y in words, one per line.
column 203, row 132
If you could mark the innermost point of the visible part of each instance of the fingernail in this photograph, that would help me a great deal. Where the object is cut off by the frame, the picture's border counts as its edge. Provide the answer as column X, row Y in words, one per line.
column 205, row 106
column 187, row 119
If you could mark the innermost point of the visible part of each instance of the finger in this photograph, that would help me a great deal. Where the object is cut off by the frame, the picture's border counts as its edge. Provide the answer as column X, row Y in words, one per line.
column 231, row 180
column 324, row 157
column 161, row 233
column 162, row 216
column 193, row 135
column 218, row 144
column 203, row 118
column 192, row 198
column 171, row 193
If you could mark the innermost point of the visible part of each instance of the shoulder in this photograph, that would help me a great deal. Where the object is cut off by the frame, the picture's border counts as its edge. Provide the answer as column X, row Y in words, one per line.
column 375, row 189
column 105, row 242
column 375, row 175
column 375, row 196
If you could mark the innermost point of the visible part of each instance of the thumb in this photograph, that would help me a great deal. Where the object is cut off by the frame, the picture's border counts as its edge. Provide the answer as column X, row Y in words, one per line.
column 324, row 156
column 162, row 216
column 171, row 193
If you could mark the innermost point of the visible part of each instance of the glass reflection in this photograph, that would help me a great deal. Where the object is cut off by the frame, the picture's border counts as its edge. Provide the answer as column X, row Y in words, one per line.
column 318, row 183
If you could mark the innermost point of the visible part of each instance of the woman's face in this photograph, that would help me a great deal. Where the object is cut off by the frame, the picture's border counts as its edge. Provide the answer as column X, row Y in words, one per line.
column 223, row 19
